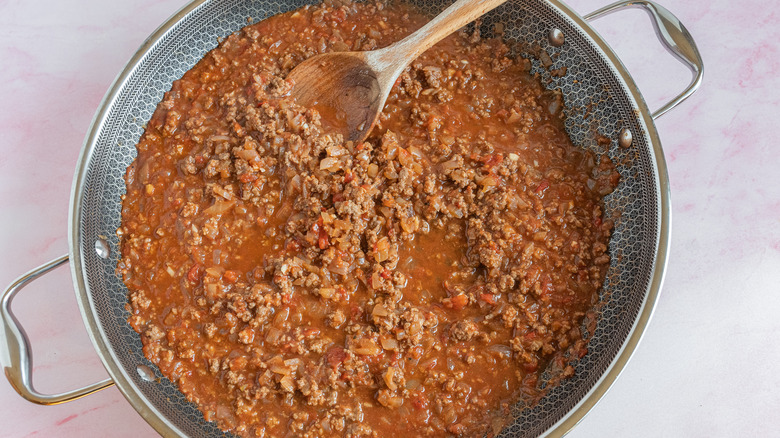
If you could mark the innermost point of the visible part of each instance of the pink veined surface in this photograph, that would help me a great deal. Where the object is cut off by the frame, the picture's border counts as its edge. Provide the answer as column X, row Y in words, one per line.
column 707, row 366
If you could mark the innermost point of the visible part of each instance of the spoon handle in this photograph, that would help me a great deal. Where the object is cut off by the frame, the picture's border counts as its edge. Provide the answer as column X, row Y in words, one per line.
column 457, row 15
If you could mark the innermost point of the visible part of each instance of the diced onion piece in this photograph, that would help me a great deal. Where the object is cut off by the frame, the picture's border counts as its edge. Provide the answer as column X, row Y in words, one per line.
column 392, row 150
column 287, row 383
column 488, row 181
column 340, row 224
column 330, row 163
column 554, row 106
column 215, row 272
column 292, row 364
column 220, row 191
column 380, row 310
column 429, row 364
column 416, row 151
column 375, row 279
column 410, row 224
column 250, row 155
column 281, row 317
column 389, row 344
column 514, row 201
column 311, row 268
column 405, row 157
column 294, row 186
column 366, row 347
column 382, row 250
column 388, row 377
column 327, row 292
column 296, row 122
column 372, row 170
column 385, row 398
column 277, row 365
column 219, row 207
column 390, row 173
column 340, row 266
column 273, row 335
column 455, row 211
column 336, row 151
column 514, row 116
column 362, row 156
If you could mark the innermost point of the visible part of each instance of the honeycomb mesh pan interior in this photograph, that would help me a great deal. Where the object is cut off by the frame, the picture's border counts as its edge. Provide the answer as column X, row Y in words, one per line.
column 597, row 100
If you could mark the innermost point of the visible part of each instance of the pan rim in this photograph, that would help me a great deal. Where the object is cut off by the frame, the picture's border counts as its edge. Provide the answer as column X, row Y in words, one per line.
column 166, row 428
column 83, row 296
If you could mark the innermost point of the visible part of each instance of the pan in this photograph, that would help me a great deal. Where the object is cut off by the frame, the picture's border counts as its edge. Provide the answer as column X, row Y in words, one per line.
column 601, row 100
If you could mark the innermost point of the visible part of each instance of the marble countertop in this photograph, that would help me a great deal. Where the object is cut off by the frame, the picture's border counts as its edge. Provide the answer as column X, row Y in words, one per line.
column 708, row 363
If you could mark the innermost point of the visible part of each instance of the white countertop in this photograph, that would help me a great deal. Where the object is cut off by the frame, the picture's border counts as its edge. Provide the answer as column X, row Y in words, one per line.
column 708, row 363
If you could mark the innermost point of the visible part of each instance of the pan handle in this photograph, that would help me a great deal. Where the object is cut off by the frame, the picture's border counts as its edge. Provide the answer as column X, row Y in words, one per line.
column 675, row 37
column 15, row 351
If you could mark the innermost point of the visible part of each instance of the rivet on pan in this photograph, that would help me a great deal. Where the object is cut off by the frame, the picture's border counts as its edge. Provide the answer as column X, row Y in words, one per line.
column 556, row 37
column 102, row 249
column 625, row 138
column 146, row 373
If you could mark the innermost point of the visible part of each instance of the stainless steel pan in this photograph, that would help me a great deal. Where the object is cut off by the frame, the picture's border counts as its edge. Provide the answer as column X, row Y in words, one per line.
column 601, row 98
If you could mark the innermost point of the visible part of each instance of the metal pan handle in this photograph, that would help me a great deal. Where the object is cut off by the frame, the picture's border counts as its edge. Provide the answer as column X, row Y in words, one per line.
column 675, row 37
column 15, row 352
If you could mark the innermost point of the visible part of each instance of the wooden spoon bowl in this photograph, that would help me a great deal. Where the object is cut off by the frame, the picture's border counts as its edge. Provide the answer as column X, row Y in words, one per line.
column 349, row 89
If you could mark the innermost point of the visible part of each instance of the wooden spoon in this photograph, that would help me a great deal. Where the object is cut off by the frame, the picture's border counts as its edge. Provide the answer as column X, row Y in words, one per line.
column 349, row 89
